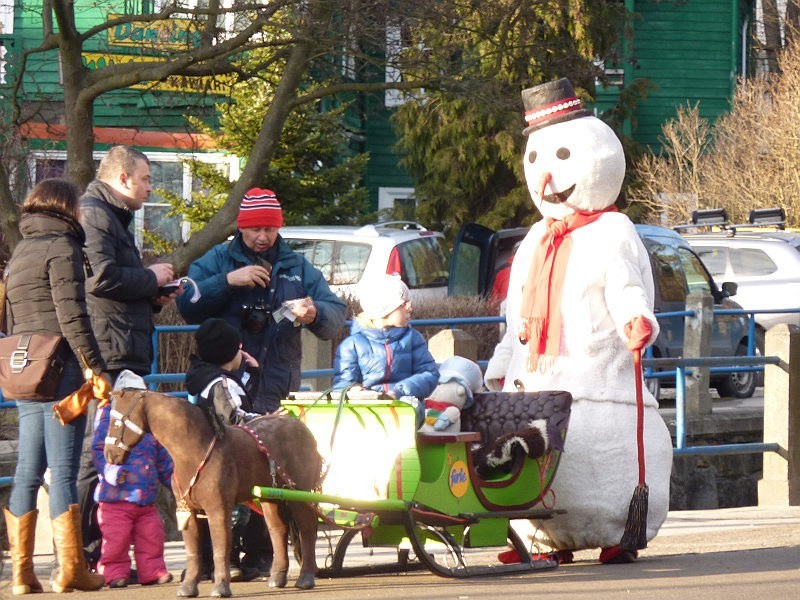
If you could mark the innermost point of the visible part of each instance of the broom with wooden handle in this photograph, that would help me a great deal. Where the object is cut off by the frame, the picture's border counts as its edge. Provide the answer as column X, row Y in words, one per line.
column 635, row 535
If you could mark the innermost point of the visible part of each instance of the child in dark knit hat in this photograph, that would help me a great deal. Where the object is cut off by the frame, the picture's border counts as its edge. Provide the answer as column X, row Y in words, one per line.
column 211, row 379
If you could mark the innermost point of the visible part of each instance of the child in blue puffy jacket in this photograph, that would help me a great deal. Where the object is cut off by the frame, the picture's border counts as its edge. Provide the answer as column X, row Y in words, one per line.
column 383, row 352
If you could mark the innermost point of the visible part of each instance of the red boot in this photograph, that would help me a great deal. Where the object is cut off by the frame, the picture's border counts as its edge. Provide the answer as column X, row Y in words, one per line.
column 615, row 555
column 509, row 557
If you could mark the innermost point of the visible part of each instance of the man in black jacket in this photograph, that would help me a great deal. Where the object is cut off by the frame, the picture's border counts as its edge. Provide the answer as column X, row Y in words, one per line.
column 122, row 294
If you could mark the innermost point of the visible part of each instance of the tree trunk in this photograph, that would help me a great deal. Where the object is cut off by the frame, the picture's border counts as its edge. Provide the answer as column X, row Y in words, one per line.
column 772, row 33
column 78, row 117
column 223, row 223
column 9, row 219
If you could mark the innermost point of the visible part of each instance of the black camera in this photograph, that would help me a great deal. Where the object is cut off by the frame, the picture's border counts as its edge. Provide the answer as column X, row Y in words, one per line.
column 255, row 317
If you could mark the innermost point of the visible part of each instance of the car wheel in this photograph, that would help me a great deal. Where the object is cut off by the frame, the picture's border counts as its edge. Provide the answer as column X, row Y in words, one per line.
column 654, row 387
column 740, row 384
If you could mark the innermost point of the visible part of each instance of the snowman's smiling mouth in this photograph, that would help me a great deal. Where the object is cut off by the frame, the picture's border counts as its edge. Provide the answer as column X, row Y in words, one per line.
column 559, row 197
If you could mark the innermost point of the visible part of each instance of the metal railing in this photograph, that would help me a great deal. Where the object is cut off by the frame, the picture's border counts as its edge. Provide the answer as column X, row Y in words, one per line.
column 678, row 368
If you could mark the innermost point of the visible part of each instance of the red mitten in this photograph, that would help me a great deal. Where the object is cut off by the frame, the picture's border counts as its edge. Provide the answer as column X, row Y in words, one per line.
column 638, row 331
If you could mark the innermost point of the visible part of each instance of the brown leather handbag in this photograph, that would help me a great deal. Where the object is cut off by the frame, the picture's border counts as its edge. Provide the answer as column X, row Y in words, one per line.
column 30, row 366
column 30, row 363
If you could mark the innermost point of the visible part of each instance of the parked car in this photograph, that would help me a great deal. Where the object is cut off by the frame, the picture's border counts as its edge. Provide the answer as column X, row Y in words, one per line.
column 762, row 258
column 677, row 271
column 347, row 254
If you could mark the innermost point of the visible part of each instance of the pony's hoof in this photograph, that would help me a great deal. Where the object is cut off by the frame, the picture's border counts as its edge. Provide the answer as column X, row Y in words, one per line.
column 277, row 580
column 305, row 581
column 223, row 590
column 187, row 590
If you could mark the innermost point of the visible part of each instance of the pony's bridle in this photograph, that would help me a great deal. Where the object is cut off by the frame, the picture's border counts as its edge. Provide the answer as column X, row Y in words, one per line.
column 124, row 422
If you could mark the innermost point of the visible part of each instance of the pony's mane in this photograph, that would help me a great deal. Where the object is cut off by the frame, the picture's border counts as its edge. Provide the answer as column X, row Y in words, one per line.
column 193, row 412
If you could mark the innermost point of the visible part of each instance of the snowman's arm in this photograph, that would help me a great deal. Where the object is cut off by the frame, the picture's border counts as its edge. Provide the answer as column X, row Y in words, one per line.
column 629, row 291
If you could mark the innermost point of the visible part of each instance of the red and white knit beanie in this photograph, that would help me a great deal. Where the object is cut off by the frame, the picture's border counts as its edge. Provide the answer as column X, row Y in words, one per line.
column 260, row 208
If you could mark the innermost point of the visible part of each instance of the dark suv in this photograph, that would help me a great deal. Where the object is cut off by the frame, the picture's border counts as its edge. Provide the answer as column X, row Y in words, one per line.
column 479, row 253
column 677, row 271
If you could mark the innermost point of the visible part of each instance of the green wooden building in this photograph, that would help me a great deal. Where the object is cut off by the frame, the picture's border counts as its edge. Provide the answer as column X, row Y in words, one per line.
column 691, row 51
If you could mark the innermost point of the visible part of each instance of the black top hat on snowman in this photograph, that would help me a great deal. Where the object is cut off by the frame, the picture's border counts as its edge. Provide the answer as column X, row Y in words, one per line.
column 550, row 103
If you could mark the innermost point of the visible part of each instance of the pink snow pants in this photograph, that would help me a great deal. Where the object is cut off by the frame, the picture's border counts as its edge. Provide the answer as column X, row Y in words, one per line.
column 123, row 524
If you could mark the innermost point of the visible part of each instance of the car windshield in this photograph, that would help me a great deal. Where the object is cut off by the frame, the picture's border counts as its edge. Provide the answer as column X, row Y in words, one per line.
column 425, row 262
column 341, row 263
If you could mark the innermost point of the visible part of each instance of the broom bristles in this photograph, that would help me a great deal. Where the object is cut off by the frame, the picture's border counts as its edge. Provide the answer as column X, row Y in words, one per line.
column 635, row 535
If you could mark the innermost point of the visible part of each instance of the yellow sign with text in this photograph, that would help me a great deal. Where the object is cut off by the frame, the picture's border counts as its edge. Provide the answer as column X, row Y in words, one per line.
column 220, row 84
column 166, row 34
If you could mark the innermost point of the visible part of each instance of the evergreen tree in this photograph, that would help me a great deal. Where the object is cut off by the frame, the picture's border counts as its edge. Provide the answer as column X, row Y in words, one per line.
column 463, row 142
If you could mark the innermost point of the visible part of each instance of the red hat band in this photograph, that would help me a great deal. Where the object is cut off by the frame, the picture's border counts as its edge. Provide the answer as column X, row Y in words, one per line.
column 557, row 109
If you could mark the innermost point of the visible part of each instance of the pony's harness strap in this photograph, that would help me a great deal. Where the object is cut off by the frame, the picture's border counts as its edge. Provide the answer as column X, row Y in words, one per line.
column 275, row 469
column 197, row 471
column 124, row 422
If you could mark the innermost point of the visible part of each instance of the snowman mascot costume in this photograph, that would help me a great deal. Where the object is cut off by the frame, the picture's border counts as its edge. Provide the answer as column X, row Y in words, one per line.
column 580, row 302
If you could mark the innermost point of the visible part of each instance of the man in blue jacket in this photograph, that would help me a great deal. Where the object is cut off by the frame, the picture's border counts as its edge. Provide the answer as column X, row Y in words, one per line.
column 267, row 291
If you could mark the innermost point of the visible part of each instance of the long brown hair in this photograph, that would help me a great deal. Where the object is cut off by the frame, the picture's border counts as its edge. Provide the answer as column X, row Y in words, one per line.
column 53, row 195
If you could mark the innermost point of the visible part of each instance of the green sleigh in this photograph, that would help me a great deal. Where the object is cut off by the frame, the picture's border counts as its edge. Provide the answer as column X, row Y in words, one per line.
column 423, row 492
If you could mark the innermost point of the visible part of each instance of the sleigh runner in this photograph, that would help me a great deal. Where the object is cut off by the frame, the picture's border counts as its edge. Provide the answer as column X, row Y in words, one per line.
column 442, row 495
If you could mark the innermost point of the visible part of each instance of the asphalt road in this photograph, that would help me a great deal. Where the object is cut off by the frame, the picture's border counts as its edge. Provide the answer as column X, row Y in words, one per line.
column 741, row 553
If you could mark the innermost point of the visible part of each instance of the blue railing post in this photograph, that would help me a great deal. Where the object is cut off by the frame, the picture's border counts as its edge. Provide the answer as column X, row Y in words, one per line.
column 680, row 407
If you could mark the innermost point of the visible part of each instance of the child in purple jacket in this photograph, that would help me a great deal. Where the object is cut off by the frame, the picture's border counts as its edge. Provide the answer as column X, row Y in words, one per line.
column 127, row 514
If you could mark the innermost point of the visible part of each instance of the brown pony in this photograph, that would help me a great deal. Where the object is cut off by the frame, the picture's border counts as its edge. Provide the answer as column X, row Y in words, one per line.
column 211, row 475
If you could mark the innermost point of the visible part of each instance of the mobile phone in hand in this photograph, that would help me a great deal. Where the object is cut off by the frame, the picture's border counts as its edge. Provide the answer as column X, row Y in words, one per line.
column 170, row 288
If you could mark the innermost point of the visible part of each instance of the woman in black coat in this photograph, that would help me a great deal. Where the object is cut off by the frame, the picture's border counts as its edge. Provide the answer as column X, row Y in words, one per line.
column 45, row 295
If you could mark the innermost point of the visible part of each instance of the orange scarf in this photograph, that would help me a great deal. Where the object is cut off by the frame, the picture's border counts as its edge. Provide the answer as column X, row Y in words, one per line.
column 541, row 294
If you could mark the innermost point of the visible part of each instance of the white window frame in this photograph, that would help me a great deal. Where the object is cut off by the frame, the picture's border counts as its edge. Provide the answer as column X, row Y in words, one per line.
column 387, row 196
column 394, row 46
column 6, row 17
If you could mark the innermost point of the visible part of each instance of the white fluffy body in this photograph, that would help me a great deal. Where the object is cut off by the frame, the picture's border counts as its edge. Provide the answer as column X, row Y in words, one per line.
column 607, row 283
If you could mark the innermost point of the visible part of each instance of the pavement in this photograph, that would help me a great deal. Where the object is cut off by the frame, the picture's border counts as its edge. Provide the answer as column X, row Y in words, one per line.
column 731, row 553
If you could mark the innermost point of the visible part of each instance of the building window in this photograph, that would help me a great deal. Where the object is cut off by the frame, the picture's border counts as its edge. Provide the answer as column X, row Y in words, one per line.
column 399, row 201
column 168, row 174
column 6, row 17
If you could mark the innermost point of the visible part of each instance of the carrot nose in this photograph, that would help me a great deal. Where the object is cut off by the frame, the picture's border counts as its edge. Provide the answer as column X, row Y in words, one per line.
column 544, row 179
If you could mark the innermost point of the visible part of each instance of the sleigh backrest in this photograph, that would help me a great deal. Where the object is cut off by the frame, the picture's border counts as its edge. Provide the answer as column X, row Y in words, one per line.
column 498, row 413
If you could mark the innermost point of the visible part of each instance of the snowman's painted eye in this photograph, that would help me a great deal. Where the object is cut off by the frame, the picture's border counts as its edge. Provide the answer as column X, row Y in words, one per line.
column 532, row 156
column 562, row 153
